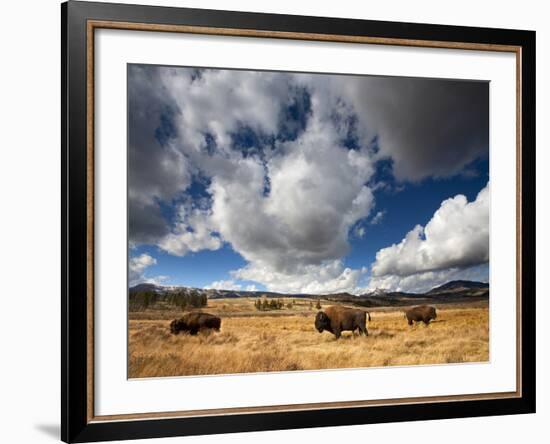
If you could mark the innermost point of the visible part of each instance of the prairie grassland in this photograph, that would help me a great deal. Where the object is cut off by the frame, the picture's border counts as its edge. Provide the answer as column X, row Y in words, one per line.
column 284, row 340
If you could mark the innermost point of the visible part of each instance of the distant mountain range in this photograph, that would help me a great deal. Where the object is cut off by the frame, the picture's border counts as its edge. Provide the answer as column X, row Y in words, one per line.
column 451, row 292
column 454, row 286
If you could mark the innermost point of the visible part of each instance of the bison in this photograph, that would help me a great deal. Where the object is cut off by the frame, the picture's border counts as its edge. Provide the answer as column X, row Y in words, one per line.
column 420, row 313
column 337, row 319
column 192, row 323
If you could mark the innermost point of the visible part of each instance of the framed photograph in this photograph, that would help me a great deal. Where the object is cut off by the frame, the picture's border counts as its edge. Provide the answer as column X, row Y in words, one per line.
column 275, row 221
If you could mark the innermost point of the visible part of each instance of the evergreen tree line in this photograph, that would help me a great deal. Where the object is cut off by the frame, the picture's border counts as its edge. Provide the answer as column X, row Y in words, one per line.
column 145, row 299
column 276, row 304
column 272, row 304
column 192, row 299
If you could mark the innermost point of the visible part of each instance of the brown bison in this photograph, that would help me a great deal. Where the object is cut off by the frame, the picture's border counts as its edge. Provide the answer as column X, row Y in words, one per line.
column 420, row 313
column 337, row 319
column 192, row 323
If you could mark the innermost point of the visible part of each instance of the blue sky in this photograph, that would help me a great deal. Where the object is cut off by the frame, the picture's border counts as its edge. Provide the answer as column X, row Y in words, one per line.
column 305, row 182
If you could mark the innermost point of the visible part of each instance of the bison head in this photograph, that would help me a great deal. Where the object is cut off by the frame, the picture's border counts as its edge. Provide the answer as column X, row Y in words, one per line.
column 322, row 322
column 177, row 325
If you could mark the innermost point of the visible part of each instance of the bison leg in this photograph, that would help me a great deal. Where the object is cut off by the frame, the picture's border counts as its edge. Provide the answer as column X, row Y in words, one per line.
column 410, row 321
column 337, row 333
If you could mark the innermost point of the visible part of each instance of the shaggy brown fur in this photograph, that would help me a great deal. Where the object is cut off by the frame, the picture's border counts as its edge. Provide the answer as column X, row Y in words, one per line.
column 420, row 313
column 337, row 319
column 194, row 322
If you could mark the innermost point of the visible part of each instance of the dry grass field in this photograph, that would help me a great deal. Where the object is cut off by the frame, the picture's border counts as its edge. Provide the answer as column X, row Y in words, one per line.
column 284, row 340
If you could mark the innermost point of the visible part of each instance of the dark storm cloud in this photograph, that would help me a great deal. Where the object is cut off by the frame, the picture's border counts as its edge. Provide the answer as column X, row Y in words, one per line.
column 428, row 127
column 155, row 169
column 145, row 223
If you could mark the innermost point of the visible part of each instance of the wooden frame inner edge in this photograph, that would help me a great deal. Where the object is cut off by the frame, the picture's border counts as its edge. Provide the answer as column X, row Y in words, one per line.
column 94, row 24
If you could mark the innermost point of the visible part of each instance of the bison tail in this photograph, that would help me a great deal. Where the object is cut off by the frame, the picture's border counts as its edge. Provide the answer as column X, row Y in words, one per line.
column 368, row 316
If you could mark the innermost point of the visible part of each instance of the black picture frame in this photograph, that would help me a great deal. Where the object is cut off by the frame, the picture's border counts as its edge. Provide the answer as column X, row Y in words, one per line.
column 76, row 423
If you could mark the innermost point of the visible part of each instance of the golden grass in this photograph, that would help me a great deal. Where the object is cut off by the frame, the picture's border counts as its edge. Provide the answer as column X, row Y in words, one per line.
column 252, row 341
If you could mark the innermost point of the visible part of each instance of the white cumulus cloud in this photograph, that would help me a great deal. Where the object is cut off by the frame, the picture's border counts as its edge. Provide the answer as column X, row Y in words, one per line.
column 330, row 277
column 137, row 266
column 224, row 285
column 456, row 238
column 425, row 281
column 191, row 233
column 287, row 209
